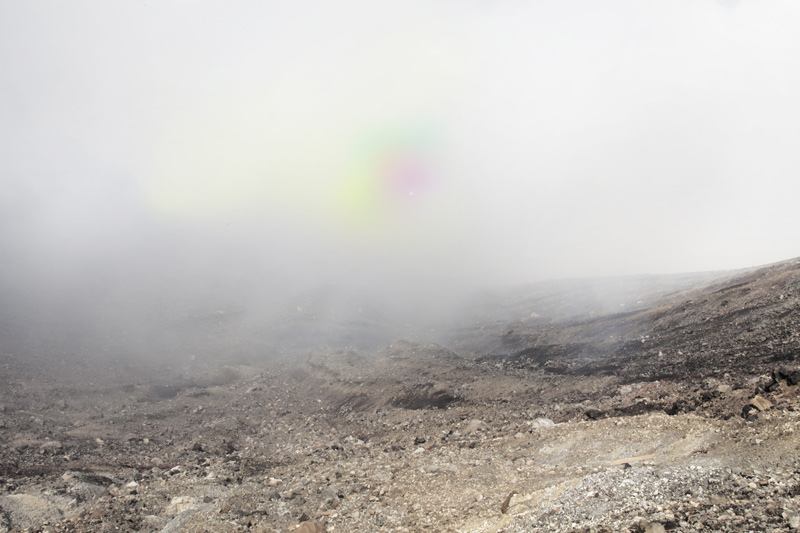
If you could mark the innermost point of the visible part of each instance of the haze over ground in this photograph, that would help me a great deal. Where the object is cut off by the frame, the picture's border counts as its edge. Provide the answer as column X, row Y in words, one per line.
column 179, row 154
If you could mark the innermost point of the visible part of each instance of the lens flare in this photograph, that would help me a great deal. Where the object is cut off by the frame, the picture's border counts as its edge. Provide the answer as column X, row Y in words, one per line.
column 391, row 172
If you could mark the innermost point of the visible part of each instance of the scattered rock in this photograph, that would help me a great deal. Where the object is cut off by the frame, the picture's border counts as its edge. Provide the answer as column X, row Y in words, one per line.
column 321, row 439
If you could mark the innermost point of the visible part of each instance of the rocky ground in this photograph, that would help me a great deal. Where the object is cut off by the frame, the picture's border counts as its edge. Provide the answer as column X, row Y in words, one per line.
column 680, row 413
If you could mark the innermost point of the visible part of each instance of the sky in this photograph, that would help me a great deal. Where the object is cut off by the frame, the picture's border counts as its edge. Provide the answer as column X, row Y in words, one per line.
column 402, row 145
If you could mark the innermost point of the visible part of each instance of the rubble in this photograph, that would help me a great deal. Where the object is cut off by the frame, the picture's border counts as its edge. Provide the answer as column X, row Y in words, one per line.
column 582, row 432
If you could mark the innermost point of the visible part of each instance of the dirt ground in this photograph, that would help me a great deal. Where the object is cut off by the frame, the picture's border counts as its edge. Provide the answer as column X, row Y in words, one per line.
column 679, row 411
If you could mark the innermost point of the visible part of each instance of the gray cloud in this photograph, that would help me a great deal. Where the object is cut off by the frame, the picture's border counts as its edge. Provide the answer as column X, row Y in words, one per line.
column 251, row 150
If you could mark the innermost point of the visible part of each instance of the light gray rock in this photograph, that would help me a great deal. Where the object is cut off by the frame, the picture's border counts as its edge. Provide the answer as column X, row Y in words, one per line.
column 542, row 423
column 473, row 426
column 655, row 527
column 31, row 510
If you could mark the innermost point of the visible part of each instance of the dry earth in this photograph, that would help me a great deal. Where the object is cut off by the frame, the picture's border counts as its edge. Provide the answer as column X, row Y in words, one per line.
column 680, row 414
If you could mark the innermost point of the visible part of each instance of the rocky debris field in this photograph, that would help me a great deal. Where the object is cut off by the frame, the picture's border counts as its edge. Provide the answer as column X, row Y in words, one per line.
column 680, row 415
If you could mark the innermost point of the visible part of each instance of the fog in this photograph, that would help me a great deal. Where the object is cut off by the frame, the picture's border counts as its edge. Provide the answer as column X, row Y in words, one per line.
column 224, row 167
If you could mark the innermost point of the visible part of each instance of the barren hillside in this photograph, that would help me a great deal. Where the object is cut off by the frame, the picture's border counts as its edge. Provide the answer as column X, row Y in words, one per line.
column 678, row 411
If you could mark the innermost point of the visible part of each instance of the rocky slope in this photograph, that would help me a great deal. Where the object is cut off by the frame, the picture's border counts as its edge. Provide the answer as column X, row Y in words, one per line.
column 680, row 413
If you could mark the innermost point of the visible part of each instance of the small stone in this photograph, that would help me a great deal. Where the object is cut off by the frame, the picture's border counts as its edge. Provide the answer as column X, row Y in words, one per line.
column 749, row 413
column 783, row 372
column 311, row 526
column 51, row 445
column 329, row 493
column 760, row 403
column 594, row 414
column 542, row 423
column 790, row 373
column 179, row 504
column 655, row 527
column 474, row 426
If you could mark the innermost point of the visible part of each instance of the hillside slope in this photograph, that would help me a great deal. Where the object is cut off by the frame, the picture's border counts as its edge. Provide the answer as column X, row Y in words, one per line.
column 682, row 416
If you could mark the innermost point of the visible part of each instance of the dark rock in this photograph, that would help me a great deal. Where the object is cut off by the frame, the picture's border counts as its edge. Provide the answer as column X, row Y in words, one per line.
column 791, row 374
column 749, row 413
column 681, row 406
column 594, row 414
column 708, row 395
